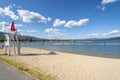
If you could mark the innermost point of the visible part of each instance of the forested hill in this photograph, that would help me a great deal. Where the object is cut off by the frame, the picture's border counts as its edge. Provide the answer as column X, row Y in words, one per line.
column 115, row 38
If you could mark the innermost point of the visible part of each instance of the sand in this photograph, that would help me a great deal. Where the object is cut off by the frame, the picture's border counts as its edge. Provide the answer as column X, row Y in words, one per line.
column 66, row 66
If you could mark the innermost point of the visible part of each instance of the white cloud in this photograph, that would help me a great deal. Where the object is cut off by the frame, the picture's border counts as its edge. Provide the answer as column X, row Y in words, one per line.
column 18, row 25
column 54, row 33
column 2, row 11
column 32, row 31
column 29, row 31
column 4, row 27
column 28, row 16
column 113, row 32
column 8, row 12
column 73, row 23
column 19, row 30
column 93, row 35
column 49, row 18
column 4, row 24
column 104, row 3
column 58, row 22
column 70, row 23
column 108, row 1
column 14, row 5
column 52, row 30
column 102, row 7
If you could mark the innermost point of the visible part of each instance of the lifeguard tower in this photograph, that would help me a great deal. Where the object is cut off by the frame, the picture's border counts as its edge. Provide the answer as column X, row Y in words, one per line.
column 12, row 41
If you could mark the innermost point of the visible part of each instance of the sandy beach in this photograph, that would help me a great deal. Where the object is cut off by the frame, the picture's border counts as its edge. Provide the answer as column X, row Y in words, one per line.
column 66, row 66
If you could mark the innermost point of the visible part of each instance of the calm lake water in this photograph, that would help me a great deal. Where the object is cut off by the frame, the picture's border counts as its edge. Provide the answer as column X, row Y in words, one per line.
column 102, row 48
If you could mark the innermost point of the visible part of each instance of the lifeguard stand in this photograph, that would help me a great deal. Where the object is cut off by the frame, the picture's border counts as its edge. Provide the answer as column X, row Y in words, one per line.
column 11, row 40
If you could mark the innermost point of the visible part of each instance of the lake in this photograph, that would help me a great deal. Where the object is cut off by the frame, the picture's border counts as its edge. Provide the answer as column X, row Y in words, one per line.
column 102, row 48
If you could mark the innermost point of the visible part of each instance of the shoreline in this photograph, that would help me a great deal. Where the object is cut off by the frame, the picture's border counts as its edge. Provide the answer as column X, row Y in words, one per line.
column 66, row 66
column 89, row 50
column 85, row 54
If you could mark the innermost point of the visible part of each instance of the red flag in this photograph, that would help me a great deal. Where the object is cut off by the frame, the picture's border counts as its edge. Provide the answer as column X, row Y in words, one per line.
column 13, row 27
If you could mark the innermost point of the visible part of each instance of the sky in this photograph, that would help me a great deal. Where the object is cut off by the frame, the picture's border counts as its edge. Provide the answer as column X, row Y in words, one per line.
column 62, row 19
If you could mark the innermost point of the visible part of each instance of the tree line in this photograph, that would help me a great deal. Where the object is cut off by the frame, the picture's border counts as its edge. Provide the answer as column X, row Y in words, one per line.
column 22, row 39
column 2, row 39
column 44, row 40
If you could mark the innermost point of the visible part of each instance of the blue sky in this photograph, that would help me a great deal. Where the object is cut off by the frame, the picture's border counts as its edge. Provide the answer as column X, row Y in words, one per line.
column 62, row 19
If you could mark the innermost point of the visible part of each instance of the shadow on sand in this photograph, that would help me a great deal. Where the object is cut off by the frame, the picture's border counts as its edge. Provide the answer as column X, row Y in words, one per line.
column 33, row 54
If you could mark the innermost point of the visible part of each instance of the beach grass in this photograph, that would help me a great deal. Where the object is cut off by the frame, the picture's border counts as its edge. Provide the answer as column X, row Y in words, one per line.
column 23, row 67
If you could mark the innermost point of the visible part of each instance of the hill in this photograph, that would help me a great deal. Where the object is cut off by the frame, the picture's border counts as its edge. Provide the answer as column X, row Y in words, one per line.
column 2, row 34
column 115, row 38
column 23, row 37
